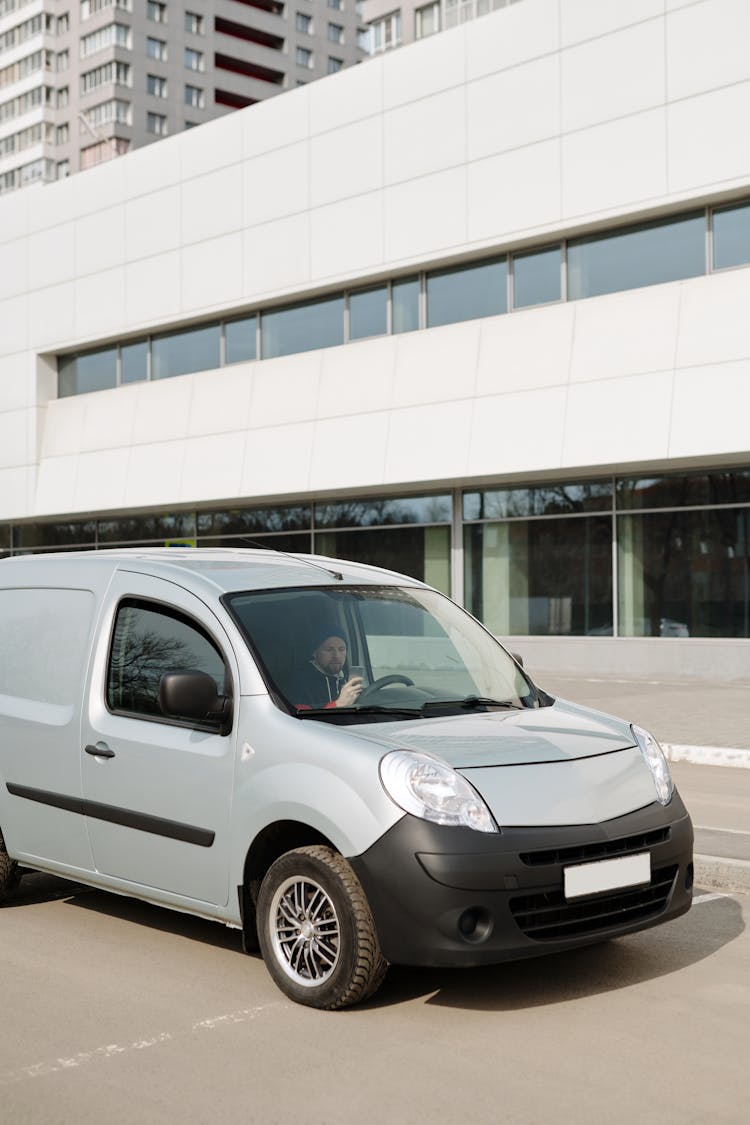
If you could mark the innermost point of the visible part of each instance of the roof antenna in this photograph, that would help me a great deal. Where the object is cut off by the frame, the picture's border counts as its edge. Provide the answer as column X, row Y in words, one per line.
column 296, row 558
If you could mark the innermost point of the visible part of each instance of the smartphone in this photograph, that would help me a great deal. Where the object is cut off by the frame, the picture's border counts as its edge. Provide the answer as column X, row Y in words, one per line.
column 358, row 670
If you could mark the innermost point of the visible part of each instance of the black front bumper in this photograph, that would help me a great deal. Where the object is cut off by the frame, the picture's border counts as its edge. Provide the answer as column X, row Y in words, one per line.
column 451, row 896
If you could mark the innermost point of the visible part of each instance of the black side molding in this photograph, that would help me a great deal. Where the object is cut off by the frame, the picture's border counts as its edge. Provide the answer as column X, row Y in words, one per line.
column 142, row 822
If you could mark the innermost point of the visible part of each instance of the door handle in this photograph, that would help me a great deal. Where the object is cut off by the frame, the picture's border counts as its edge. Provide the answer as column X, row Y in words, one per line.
column 101, row 750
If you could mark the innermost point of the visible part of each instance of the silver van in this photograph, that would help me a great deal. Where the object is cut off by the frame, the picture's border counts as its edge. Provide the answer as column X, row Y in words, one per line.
column 336, row 759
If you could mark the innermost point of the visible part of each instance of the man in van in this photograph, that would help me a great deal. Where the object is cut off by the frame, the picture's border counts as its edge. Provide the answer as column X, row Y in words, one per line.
column 322, row 682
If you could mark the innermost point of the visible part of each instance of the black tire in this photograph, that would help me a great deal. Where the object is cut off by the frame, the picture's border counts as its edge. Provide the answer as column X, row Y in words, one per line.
column 9, row 876
column 316, row 931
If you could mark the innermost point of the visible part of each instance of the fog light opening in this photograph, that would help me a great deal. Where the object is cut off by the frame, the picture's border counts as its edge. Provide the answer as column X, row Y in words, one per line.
column 475, row 925
column 689, row 876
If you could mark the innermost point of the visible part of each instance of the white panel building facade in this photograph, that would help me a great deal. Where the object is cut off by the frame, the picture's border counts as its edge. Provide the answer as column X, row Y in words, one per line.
column 476, row 310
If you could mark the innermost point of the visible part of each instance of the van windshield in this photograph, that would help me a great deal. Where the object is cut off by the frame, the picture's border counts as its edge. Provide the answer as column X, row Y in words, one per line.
column 345, row 653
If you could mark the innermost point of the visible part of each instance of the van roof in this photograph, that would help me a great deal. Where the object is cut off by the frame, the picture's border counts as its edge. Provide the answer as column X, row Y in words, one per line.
column 220, row 569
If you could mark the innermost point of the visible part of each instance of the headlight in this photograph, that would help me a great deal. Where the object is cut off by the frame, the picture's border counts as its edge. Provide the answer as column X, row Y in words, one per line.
column 656, row 762
column 430, row 789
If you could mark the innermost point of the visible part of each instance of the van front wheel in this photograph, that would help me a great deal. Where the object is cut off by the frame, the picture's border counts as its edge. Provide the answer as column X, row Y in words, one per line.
column 8, row 872
column 316, row 931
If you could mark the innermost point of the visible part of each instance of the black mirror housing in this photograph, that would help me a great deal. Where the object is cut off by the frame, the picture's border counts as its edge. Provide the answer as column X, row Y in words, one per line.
column 193, row 696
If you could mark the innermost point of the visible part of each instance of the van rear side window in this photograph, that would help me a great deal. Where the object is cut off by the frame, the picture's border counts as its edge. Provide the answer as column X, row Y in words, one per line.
column 148, row 642
column 45, row 643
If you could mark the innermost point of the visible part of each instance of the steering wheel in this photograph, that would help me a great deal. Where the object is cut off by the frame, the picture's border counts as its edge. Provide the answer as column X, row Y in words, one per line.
column 382, row 682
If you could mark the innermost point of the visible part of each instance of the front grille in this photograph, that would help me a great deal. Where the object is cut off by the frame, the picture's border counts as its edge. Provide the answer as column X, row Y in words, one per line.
column 550, row 917
column 603, row 849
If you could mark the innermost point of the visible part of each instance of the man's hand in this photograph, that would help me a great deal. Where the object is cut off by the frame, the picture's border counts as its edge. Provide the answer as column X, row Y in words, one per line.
column 349, row 693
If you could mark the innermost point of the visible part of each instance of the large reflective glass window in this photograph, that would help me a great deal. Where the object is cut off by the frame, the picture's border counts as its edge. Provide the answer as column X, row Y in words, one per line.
column 405, row 305
column 298, row 544
column 643, row 255
column 419, row 552
column 371, row 512
column 72, row 533
column 684, row 573
column 236, row 521
column 540, row 500
column 240, row 339
column 134, row 362
column 90, row 371
column 731, row 486
column 302, row 328
column 179, row 353
column 536, row 277
column 466, row 293
column 541, row 577
column 732, row 236
column 165, row 529
column 368, row 313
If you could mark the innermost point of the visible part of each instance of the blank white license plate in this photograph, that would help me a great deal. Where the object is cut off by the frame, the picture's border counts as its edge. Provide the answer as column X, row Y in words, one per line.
column 607, row 875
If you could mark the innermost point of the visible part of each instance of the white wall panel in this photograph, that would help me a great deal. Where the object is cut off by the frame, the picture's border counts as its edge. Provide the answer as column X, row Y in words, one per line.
column 277, row 460
column 439, row 123
column 276, row 256
column 710, row 412
column 208, row 149
column 56, row 485
column 347, row 236
column 220, row 401
column 351, row 447
column 513, row 108
column 63, row 430
column 153, row 475
column 609, row 166
column 211, row 273
column 162, row 410
column 52, row 315
column 512, row 36
column 516, row 433
column 153, row 288
column 275, row 123
column 356, row 94
column 277, row 184
column 714, row 321
column 361, row 171
column 438, row 365
column 514, row 192
column 212, row 204
column 212, row 467
column 618, row 420
column 428, row 442
column 14, row 445
column 153, row 223
column 14, row 268
column 14, row 318
column 17, row 381
column 100, row 240
column 429, row 66
column 15, row 215
column 358, row 378
column 586, row 19
column 100, row 304
column 527, row 350
column 16, row 492
column 285, row 390
column 614, row 76
column 425, row 214
column 707, row 140
column 151, row 168
column 700, row 54
column 626, row 333
column 100, row 480
column 108, row 419
column 52, row 257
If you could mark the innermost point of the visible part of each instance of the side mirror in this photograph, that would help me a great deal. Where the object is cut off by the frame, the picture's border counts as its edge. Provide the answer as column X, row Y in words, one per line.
column 193, row 695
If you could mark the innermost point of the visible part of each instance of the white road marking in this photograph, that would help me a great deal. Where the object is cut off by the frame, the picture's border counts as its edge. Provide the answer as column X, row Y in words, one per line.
column 729, row 831
column 83, row 1058
column 709, row 897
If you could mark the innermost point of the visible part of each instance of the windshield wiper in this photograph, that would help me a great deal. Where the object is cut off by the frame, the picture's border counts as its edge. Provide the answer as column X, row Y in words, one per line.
column 331, row 712
column 469, row 703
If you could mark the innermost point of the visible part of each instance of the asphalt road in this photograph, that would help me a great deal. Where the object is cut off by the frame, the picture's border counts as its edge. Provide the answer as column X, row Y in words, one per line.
column 119, row 1012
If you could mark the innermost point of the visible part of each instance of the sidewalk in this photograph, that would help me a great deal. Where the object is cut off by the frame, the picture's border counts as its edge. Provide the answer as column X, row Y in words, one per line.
column 704, row 728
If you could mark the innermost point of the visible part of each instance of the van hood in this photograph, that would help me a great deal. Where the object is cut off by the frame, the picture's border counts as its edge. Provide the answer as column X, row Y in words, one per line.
column 562, row 732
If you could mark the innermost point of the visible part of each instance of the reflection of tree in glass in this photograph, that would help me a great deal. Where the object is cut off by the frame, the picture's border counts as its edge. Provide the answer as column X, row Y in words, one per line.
column 138, row 662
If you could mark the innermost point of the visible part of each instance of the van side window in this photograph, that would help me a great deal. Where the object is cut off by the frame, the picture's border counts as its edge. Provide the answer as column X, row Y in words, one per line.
column 148, row 641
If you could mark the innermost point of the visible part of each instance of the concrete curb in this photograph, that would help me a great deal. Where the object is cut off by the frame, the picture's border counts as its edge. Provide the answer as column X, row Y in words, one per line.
column 707, row 755
column 722, row 874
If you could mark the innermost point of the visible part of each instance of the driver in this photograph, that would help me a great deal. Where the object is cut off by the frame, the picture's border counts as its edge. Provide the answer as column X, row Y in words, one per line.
column 322, row 682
